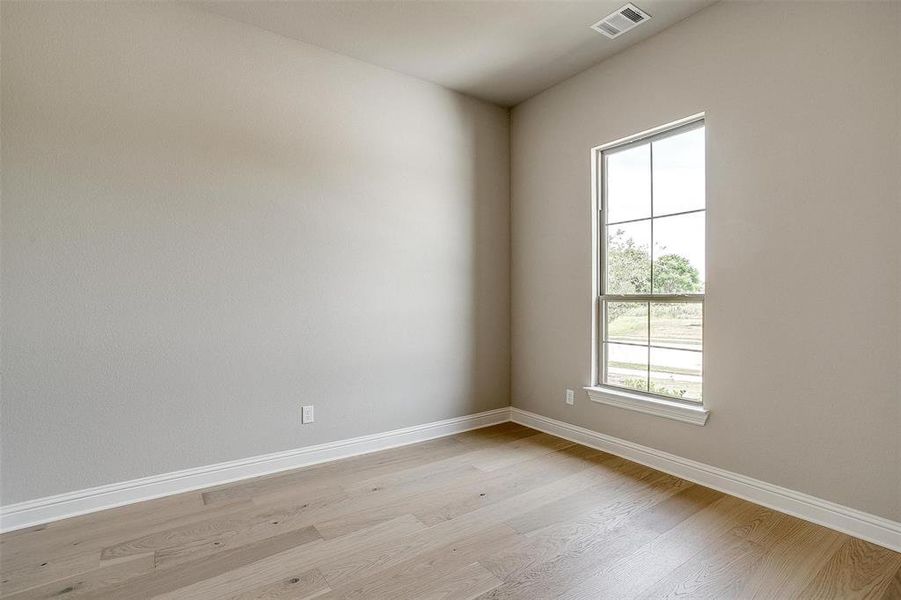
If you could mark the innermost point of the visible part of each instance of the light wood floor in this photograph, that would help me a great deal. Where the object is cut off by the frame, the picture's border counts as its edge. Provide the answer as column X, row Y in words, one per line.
column 503, row 512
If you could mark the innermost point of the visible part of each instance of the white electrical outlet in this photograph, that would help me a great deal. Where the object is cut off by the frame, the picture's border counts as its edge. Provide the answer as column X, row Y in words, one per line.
column 570, row 397
column 306, row 415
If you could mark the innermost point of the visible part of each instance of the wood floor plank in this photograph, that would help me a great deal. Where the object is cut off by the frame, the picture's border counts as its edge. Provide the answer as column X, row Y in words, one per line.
column 68, row 553
column 421, row 477
column 209, row 536
column 501, row 512
column 612, row 501
column 365, row 510
column 505, row 483
column 362, row 564
column 496, row 434
column 147, row 512
column 576, row 534
column 85, row 584
column 161, row 581
column 292, row 562
column 501, row 452
column 709, row 577
column 632, row 574
column 339, row 471
column 304, row 586
column 791, row 563
column 30, row 570
column 369, row 506
column 490, row 459
column 762, row 526
column 893, row 590
column 715, row 565
column 337, row 516
column 858, row 569
column 429, row 571
column 56, row 544
column 563, row 555
column 465, row 584
column 391, row 553
column 380, row 504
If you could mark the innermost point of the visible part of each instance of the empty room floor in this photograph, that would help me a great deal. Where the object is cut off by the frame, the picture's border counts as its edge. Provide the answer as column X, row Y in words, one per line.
column 500, row 512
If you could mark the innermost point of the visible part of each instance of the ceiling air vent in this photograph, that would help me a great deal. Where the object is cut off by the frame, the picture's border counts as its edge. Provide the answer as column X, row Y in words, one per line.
column 617, row 23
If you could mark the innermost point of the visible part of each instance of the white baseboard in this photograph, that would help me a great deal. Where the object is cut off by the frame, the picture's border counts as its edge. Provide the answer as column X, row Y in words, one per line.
column 865, row 526
column 829, row 514
column 71, row 504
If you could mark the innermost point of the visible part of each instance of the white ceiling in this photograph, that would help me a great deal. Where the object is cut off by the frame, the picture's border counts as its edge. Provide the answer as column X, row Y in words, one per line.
column 500, row 51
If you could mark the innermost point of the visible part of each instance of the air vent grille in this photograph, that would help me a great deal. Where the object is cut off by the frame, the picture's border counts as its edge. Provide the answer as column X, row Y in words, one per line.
column 617, row 23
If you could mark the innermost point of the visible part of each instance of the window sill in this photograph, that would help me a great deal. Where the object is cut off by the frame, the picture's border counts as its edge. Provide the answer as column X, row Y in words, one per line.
column 696, row 415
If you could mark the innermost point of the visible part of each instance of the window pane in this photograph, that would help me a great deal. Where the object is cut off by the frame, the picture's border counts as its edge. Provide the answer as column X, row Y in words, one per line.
column 679, row 173
column 676, row 373
column 627, row 366
column 627, row 322
column 628, row 258
column 628, row 184
column 679, row 254
column 677, row 324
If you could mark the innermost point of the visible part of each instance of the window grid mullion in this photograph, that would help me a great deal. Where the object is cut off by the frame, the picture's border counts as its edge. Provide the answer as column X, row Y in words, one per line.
column 651, row 249
column 663, row 298
column 657, row 346
column 648, row 337
column 675, row 214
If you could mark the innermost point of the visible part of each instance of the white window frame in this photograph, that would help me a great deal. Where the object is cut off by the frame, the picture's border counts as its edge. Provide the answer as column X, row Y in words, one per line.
column 645, row 402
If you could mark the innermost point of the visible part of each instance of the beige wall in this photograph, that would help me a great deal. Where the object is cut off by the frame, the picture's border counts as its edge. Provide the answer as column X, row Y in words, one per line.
column 205, row 225
column 803, row 317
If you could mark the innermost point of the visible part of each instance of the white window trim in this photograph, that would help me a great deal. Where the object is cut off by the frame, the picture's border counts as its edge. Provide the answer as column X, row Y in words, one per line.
column 652, row 404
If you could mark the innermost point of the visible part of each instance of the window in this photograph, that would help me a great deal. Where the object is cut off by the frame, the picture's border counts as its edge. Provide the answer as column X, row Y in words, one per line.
column 651, row 236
